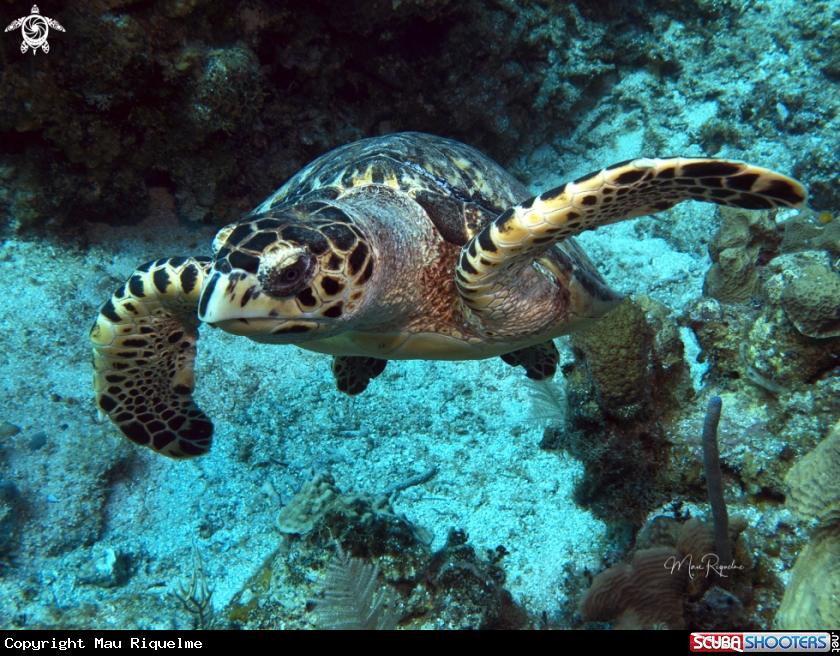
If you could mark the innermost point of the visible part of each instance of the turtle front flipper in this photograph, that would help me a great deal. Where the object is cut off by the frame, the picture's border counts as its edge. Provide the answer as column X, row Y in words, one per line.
column 622, row 191
column 144, row 355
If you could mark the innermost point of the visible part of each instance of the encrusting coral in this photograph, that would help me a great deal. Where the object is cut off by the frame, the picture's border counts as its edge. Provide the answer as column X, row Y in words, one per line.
column 321, row 501
column 308, row 505
column 812, row 301
column 733, row 278
column 674, row 562
column 735, row 249
column 814, row 482
column 804, row 233
column 810, row 601
column 621, row 336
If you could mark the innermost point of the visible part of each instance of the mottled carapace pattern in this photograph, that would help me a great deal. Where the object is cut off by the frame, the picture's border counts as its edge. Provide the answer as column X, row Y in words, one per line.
column 406, row 246
column 417, row 163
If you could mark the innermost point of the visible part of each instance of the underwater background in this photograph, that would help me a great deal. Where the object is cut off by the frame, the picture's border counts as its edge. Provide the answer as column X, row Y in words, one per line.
column 483, row 500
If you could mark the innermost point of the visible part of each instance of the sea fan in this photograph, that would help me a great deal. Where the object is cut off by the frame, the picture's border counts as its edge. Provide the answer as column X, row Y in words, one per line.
column 349, row 601
column 548, row 402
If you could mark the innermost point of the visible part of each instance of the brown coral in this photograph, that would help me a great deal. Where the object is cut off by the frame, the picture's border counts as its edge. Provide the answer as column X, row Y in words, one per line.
column 650, row 593
column 810, row 602
column 661, row 532
column 696, row 540
column 802, row 233
column 812, row 302
column 617, row 351
column 744, row 229
column 645, row 595
column 733, row 278
column 811, row 598
column 814, row 481
column 734, row 250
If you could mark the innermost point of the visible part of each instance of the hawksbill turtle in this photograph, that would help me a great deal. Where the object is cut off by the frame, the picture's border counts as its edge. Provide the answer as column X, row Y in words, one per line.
column 404, row 246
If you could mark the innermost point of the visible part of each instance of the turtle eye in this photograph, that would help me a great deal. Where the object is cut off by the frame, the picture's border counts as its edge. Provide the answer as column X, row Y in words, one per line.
column 290, row 279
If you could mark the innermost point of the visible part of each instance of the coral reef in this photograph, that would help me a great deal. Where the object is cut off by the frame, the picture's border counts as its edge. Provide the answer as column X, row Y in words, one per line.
column 733, row 277
column 812, row 301
column 222, row 102
column 455, row 587
column 367, row 523
column 628, row 379
column 778, row 354
column 723, row 585
column 622, row 336
column 811, row 598
column 735, row 250
column 643, row 595
column 784, row 269
column 196, row 110
column 805, row 232
column 672, row 563
column 761, row 344
column 814, row 482
column 744, row 229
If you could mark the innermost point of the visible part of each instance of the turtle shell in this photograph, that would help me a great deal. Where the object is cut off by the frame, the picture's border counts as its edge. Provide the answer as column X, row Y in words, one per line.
column 460, row 188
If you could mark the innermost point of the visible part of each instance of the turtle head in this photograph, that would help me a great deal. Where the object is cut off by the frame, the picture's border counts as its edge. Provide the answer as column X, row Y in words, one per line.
column 287, row 276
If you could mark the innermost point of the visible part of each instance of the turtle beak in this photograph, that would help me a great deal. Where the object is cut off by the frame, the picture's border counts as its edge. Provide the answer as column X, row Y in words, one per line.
column 235, row 303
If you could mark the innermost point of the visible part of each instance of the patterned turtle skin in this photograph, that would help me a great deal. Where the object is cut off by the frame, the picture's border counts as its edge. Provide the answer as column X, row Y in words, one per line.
column 405, row 246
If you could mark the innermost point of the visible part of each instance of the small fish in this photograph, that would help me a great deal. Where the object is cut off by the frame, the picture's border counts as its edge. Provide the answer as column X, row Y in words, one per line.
column 754, row 376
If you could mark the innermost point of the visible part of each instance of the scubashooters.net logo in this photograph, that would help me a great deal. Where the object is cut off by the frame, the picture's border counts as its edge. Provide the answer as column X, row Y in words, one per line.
column 35, row 29
column 778, row 641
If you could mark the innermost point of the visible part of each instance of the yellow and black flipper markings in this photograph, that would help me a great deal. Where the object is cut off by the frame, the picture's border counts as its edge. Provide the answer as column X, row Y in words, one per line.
column 622, row 191
column 144, row 355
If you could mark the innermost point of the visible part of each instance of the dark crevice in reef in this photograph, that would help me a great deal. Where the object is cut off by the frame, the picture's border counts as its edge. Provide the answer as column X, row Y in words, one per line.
column 221, row 102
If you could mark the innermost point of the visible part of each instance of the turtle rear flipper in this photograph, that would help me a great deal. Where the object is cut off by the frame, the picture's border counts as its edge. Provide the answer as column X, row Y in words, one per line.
column 144, row 355
column 353, row 373
column 622, row 191
column 539, row 361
